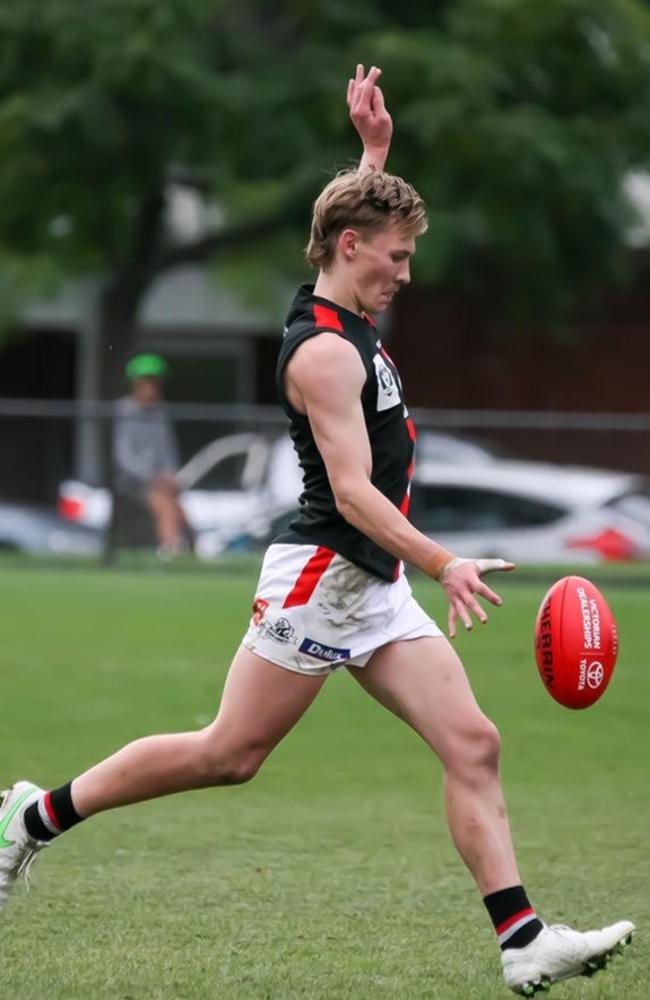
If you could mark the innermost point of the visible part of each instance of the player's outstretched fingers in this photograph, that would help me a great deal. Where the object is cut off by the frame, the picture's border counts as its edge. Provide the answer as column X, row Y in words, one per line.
column 463, row 613
column 493, row 565
column 476, row 609
column 484, row 591
column 451, row 621
column 354, row 84
column 377, row 101
column 365, row 91
column 357, row 82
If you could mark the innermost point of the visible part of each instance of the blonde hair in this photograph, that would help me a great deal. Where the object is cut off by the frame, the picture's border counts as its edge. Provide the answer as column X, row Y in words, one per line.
column 367, row 201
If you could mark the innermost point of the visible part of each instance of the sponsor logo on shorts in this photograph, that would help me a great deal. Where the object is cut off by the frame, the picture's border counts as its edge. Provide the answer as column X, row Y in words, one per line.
column 280, row 631
column 321, row 652
column 259, row 610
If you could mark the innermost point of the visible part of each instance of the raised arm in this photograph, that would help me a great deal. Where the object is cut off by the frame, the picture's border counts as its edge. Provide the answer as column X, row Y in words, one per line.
column 370, row 118
column 327, row 375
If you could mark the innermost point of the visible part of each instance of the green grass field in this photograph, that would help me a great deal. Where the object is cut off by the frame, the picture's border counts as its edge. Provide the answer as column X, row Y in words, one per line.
column 330, row 876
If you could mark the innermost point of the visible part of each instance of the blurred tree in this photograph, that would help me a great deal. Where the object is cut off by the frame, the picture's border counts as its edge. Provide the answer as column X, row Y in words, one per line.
column 526, row 119
column 516, row 120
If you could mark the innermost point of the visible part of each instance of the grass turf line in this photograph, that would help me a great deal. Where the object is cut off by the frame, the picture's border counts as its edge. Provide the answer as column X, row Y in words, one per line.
column 330, row 876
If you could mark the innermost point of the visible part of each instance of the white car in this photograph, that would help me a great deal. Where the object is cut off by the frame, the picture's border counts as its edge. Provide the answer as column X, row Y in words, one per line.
column 528, row 511
column 238, row 489
column 533, row 512
column 449, row 449
column 226, row 492
column 41, row 531
column 238, row 484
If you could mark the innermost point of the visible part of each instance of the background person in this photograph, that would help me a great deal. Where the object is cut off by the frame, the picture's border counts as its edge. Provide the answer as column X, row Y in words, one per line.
column 145, row 452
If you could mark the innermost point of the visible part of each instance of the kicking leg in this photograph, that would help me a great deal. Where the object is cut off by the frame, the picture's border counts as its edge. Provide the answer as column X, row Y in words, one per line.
column 261, row 702
column 424, row 683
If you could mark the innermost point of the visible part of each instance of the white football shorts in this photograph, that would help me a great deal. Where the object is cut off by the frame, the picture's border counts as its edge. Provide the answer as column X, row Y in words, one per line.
column 315, row 611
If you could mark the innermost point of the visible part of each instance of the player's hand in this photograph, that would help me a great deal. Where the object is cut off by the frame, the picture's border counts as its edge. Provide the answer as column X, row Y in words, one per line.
column 461, row 581
column 368, row 111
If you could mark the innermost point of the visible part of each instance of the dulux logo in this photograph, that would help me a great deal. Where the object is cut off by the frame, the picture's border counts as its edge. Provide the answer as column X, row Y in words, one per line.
column 321, row 652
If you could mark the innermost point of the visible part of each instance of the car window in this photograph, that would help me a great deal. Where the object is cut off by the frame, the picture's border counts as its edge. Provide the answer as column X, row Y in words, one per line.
column 634, row 505
column 460, row 508
column 225, row 474
column 450, row 450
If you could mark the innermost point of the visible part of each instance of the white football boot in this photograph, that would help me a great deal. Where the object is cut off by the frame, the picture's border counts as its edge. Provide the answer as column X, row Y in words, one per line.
column 17, row 849
column 559, row 953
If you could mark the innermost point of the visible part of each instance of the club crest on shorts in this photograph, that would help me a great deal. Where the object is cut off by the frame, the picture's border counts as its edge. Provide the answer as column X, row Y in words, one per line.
column 280, row 631
column 387, row 391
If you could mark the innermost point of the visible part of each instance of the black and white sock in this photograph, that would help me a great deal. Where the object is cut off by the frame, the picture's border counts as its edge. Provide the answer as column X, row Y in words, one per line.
column 515, row 921
column 53, row 813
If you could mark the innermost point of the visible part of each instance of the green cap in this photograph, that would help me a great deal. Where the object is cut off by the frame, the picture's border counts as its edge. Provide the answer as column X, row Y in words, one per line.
column 147, row 366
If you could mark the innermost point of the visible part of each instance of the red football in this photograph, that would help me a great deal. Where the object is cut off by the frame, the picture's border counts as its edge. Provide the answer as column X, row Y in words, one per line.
column 576, row 642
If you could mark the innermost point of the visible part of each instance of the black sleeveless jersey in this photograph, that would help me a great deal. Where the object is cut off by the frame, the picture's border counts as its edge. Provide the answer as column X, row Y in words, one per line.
column 390, row 430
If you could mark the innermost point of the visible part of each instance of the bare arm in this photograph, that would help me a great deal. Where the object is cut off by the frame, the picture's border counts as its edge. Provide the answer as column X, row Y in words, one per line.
column 370, row 117
column 328, row 375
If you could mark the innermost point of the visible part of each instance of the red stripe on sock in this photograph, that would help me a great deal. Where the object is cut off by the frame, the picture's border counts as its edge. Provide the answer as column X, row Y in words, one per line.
column 47, row 802
column 307, row 582
column 513, row 920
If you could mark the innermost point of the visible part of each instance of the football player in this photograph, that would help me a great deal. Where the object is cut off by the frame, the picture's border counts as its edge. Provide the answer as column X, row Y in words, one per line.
column 332, row 592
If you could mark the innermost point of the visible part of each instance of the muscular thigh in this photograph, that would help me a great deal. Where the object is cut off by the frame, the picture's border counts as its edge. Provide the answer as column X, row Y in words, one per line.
column 261, row 701
column 424, row 683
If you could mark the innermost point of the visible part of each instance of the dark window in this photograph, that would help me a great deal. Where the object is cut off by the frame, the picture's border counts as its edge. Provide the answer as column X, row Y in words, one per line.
column 460, row 508
column 225, row 475
column 633, row 505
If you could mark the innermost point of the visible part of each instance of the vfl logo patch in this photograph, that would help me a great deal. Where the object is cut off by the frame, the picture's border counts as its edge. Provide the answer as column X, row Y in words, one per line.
column 387, row 391
column 320, row 652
